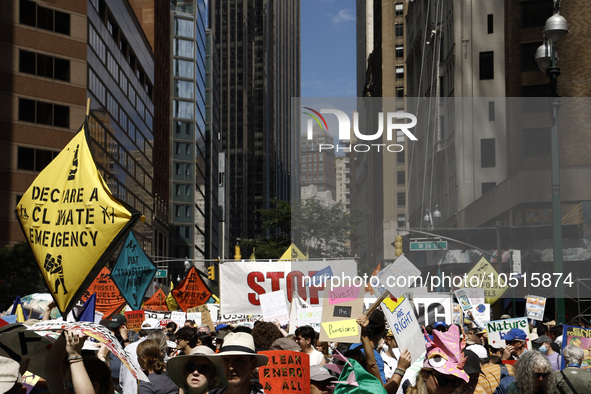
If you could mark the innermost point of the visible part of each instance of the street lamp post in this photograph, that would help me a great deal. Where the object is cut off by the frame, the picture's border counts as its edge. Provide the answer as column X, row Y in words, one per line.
column 547, row 59
column 430, row 215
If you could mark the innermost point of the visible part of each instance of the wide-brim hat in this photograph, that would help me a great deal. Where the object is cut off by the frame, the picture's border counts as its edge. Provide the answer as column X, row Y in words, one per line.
column 9, row 374
column 241, row 344
column 175, row 367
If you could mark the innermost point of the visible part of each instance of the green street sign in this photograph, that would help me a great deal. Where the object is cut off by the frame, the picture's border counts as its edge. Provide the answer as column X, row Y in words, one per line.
column 428, row 245
column 161, row 273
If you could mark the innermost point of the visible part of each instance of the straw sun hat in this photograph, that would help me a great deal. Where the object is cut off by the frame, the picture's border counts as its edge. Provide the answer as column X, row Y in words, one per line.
column 241, row 344
column 175, row 367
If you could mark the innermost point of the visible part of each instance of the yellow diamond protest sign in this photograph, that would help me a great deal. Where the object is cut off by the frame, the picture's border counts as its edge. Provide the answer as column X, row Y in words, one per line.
column 484, row 276
column 72, row 222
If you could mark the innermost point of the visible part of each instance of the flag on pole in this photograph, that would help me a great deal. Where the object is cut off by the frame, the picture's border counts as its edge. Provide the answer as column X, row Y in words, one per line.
column 170, row 301
column 17, row 309
column 88, row 309
column 72, row 222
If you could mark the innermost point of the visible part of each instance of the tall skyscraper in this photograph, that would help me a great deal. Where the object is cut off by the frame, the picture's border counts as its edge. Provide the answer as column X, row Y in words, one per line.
column 56, row 54
column 259, row 53
column 318, row 166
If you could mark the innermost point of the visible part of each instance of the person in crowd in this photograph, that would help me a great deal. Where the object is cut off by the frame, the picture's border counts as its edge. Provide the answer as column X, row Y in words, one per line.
column 197, row 372
column 321, row 381
column 375, row 330
column 543, row 345
column 555, row 333
column 118, row 326
column 219, row 339
column 305, row 337
column 239, row 360
column 186, row 339
column 245, row 329
column 491, row 373
column 285, row 344
column 151, row 359
column 572, row 379
column 440, row 326
column 204, row 329
column 264, row 333
column 10, row 377
column 442, row 371
column 170, row 330
column 67, row 372
column 126, row 379
column 533, row 374
column 205, row 340
column 390, row 353
column 190, row 323
column 515, row 344
column 322, row 347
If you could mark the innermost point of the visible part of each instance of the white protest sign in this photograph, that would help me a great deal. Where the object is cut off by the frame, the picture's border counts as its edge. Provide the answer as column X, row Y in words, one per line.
column 253, row 278
column 195, row 316
column 178, row 317
column 398, row 276
column 497, row 329
column 463, row 299
column 309, row 317
column 432, row 307
column 274, row 307
column 101, row 334
column 534, row 307
column 481, row 314
column 404, row 325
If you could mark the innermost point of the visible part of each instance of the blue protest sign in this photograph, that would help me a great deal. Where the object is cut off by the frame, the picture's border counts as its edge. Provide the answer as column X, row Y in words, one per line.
column 321, row 277
column 133, row 272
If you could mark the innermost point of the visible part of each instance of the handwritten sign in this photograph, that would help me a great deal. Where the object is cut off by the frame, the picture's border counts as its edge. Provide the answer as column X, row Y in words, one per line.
column 342, row 311
column 309, row 317
column 338, row 318
column 108, row 297
column 463, row 299
column 341, row 329
column 192, row 291
column 404, row 325
column 397, row 277
column 101, row 334
column 72, row 222
column 274, row 307
column 534, row 307
column 135, row 319
column 286, row 372
column 343, row 294
column 497, row 329
column 178, row 317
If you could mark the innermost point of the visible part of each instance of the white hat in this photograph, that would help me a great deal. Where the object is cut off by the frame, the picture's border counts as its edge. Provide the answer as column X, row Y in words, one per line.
column 9, row 374
column 175, row 367
column 241, row 344
column 479, row 350
column 151, row 324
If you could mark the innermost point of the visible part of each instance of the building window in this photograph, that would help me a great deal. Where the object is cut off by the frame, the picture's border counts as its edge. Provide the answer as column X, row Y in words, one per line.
column 487, row 153
column 31, row 159
column 401, row 221
column 400, row 92
column 534, row 13
column 35, row 15
column 401, row 199
column 491, row 111
column 400, row 157
column 44, row 66
column 489, row 24
column 487, row 65
column 184, row 27
column 399, row 9
column 399, row 51
column 43, row 113
column 183, row 68
column 487, row 186
column 400, row 178
column 399, row 30
column 399, row 72
column 536, row 142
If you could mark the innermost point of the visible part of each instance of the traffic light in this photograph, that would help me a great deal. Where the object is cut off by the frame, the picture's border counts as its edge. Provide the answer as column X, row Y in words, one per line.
column 398, row 245
column 211, row 272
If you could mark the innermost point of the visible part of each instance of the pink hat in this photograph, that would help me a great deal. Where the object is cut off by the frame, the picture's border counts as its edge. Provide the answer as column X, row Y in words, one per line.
column 444, row 353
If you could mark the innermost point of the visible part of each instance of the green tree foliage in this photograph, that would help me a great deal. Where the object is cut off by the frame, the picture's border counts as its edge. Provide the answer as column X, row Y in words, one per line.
column 19, row 274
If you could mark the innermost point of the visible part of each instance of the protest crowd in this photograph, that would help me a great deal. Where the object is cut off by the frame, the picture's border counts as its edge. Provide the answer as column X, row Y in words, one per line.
column 203, row 358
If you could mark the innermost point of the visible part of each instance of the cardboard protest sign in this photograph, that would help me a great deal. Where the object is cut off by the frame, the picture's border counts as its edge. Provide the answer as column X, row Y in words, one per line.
column 339, row 319
column 157, row 302
column 534, row 307
column 108, row 297
column 72, row 222
column 192, row 291
column 98, row 332
column 398, row 276
column 204, row 315
column 286, row 372
column 497, row 329
column 484, row 276
column 580, row 337
column 273, row 307
column 404, row 325
column 262, row 277
column 133, row 272
column 432, row 307
column 20, row 344
column 135, row 320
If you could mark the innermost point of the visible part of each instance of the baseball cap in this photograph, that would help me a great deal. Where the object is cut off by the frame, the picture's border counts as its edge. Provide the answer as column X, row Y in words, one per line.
column 440, row 323
column 221, row 326
column 515, row 334
column 151, row 324
column 543, row 338
column 479, row 350
column 117, row 320
column 319, row 374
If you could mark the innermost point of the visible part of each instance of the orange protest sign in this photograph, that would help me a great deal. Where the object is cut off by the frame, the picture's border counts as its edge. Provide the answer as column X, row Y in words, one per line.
column 192, row 291
column 157, row 302
column 108, row 297
column 286, row 372
column 135, row 320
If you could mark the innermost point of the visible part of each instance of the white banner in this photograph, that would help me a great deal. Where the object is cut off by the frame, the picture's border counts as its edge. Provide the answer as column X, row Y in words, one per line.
column 241, row 283
column 432, row 307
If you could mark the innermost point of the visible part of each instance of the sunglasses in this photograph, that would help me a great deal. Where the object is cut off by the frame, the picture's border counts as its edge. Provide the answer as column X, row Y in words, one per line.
column 542, row 374
column 443, row 380
column 201, row 368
